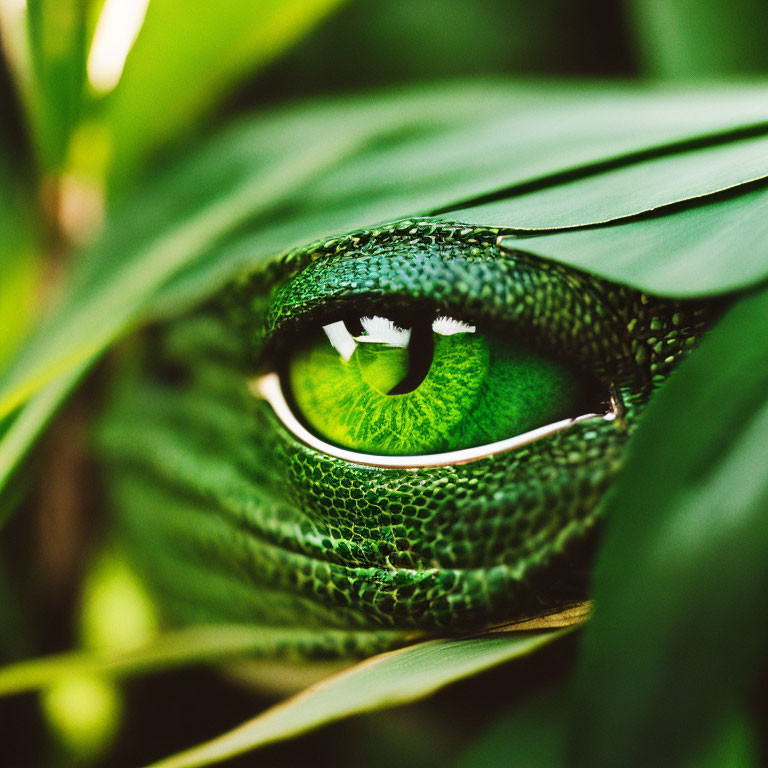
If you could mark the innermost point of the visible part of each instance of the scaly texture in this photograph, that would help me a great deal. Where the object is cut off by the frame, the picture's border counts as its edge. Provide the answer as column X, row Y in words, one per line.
column 233, row 518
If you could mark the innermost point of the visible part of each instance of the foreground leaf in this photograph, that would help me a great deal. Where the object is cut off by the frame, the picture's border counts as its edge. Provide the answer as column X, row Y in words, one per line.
column 734, row 743
column 47, row 44
column 716, row 247
column 19, row 255
column 183, row 647
column 680, row 585
column 388, row 680
column 188, row 56
column 534, row 736
column 630, row 187
column 19, row 432
column 683, row 39
column 530, row 736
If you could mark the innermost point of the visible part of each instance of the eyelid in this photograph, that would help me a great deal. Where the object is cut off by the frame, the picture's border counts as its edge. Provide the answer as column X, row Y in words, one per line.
column 539, row 303
column 268, row 387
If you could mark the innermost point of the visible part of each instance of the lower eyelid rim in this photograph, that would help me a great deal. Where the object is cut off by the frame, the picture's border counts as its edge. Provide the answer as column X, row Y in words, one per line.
column 268, row 387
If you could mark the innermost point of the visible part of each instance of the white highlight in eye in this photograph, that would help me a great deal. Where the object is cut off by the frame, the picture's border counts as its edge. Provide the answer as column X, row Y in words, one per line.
column 380, row 330
column 447, row 326
column 341, row 339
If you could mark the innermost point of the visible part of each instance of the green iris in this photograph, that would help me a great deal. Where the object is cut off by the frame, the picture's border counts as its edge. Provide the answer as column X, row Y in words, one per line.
column 438, row 386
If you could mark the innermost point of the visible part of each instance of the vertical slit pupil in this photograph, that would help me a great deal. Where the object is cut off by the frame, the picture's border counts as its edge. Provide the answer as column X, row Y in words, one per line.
column 420, row 350
column 354, row 326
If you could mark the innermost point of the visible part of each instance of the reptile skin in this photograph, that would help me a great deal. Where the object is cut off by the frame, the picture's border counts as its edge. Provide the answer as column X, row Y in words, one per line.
column 232, row 518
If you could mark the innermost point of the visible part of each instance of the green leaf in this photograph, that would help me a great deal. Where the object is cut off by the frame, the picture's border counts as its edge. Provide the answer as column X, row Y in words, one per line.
column 734, row 743
column 188, row 56
column 58, row 44
column 641, row 186
column 19, row 259
column 47, row 44
column 716, row 247
column 20, row 430
column 532, row 736
column 183, row 647
column 388, row 680
column 680, row 583
column 21, row 268
column 690, row 39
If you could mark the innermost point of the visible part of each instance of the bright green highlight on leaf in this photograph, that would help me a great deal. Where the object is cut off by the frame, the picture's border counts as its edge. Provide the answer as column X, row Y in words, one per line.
column 434, row 387
column 84, row 712
column 117, row 612
column 83, row 709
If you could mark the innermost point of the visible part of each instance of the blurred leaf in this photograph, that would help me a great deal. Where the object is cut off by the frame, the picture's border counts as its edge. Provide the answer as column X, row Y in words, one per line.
column 314, row 170
column 47, row 44
column 84, row 714
column 19, row 431
column 84, row 711
column 183, row 647
column 384, row 681
column 719, row 246
column 691, row 39
column 116, row 611
column 733, row 743
column 184, row 61
column 188, row 56
column 680, row 584
column 20, row 268
column 20, row 271
column 19, row 261
column 58, row 46
column 532, row 736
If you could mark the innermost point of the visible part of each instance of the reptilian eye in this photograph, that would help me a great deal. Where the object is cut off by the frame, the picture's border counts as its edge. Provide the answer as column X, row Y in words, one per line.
column 434, row 384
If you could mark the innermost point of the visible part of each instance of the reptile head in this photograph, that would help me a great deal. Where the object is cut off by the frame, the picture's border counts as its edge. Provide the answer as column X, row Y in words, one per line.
column 333, row 512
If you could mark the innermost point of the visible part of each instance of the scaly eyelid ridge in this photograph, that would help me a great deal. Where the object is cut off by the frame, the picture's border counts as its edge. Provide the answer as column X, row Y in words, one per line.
column 539, row 302
column 269, row 388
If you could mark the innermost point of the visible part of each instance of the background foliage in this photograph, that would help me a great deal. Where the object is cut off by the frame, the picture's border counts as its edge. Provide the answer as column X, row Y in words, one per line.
column 130, row 187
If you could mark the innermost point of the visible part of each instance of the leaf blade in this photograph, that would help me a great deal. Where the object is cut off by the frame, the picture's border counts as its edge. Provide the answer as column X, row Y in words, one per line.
column 690, row 175
column 709, row 249
column 182, row 647
column 677, row 590
column 193, row 57
column 388, row 680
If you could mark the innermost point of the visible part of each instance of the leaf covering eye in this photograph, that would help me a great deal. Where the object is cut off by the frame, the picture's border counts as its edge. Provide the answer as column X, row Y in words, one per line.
column 430, row 386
